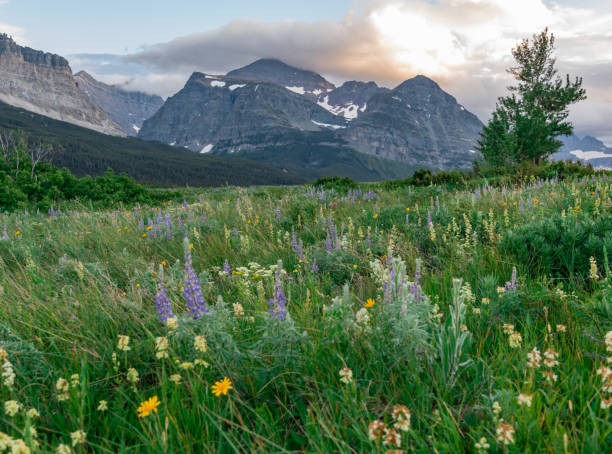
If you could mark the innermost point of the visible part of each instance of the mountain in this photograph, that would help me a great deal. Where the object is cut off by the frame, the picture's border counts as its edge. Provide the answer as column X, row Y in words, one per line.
column 349, row 99
column 42, row 83
column 211, row 109
column 300, row 81
column 129, row 109
column 87, row 152
column 587, row 150
column 417, row 123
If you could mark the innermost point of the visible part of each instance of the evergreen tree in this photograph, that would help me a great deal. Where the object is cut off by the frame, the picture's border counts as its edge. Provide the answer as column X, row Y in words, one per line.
column 526, row 124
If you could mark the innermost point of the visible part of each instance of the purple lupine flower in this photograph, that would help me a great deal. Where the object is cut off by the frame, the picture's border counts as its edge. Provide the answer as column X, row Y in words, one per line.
column 278, row 302
column 278, row 214
column 415, row 288
column 168, row 220
column 369, row 240
column 201, row 199
column 52, row 212
column 168, row 234
column 185, row 203
column 136, row 212
column 162, row 301
column 203, row 218
column 512, row 284
column 235, row 232
column 314, row 266
column 180, row 223
column 429, row 221
column 193, row 291
column 227, row 269
column 4, row 234
column 297, row 245
column 141, row 224
column 328, row 244
column 159, row 219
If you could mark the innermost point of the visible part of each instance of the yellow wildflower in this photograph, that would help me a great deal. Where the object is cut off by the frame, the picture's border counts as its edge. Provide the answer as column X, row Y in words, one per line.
column 222, row 387
column 148, row 406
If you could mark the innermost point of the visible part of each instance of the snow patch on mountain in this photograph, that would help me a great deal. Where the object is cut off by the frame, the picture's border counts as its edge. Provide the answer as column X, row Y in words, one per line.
column 590, row 154
column 298, row 90
column 207, row 149
column 236, row 86
column 217, row 83
column 327, row 125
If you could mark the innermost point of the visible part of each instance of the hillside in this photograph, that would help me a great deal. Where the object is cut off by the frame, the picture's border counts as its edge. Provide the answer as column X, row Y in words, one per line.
column 86, row 152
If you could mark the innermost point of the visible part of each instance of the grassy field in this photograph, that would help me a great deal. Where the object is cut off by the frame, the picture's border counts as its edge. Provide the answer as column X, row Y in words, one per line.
column 269, row 320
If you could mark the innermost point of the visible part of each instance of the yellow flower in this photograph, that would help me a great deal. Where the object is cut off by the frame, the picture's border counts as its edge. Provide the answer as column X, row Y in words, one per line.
column 222, row 387
column 369, row 303
column 164, row 263
column 144, row 235
column 355, row 266
column 123, row 343
column 407, row 208
column 148, row 406
column 190, row 245
column 375, row 216
column 17, row 233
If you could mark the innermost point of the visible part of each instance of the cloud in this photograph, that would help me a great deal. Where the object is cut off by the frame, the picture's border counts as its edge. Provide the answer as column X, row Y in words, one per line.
column 17, row 33
column 463, row 44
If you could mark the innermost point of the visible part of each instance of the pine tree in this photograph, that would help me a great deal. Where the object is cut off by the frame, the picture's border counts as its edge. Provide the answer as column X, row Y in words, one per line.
column 526, row 124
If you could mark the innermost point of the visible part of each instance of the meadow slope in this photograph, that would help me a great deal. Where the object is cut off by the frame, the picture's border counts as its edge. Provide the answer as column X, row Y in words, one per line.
column 312, row 320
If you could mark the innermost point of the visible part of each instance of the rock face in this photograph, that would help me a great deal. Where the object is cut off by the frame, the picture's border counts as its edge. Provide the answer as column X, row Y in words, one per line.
column 417, row 123
column 300, row 81
column 349, row 99
column 129, row 109
column 42, row 83
column 214, row 109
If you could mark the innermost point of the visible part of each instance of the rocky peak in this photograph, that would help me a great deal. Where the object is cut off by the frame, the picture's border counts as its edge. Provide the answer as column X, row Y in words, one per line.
column 9, row 47
column 280, row 73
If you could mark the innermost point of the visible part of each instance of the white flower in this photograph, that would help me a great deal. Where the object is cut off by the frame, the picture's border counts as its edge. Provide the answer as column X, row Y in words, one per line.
column 362, row 317
column 11, row 407
column 132, row 375
column 123, row 343
column 199, row 344
column 78, row 437
column 525, row 399
column 346, row 375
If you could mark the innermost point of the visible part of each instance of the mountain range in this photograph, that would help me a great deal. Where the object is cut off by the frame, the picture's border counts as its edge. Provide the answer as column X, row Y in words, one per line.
column 284, row 118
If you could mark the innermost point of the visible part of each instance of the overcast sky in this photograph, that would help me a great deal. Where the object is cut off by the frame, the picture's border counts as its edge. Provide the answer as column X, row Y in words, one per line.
column 464, row 45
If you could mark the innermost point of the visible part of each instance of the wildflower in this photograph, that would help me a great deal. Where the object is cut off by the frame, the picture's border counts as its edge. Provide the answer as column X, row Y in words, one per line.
column 496, row 408
column 605, row 403
column 78, row 437
column 534, row 358
column 278, row 302
column 132, row 375
column 401, row 414
column 346, row 375
column 369, row 303
column 505, row 433
column 550, row 359
column 8, row 375
column 482, row 445
column 161, row 347
column 102, row 405
column 362, row 317
column 201, row 362
column 123, row 343
column 186, row 365
column 525, row 399
column 485, row 301
column 550, row 376
column 163, row 306
column 63, row 449
column 593, row 272
column 375, row 216
column 193, row 290
column 32, row 413
column 476, row 310
column 508, row 328
column 199, row 343
column 515, row 340
column 148, row 406
column 11, row 407
column 75, row 380
column 376, row 429
column 238, row 310
column 172, row 323
column 175, row 378
column 222, row 387
column 392, row 438
column 512, row 284
column 561, row 328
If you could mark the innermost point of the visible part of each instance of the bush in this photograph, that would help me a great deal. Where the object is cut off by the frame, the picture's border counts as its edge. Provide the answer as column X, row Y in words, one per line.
column 560, row 247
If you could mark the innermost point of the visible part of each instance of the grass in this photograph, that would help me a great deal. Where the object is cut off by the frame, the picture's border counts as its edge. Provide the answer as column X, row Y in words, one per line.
column 440, row 343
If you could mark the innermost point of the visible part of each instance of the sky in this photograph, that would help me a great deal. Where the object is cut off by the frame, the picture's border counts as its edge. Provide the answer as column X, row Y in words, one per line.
column 465, row 45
